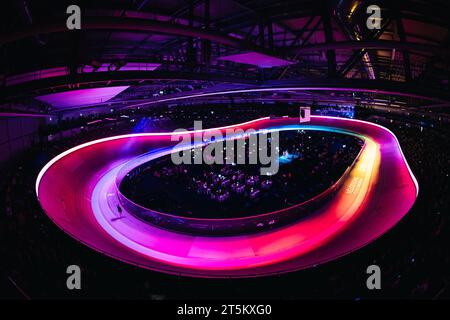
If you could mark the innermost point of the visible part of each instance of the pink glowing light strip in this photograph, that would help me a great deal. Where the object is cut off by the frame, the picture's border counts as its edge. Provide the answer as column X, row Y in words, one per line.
column 416, row 183
column 229, row 253
column 249, row 252
column 90, row 143
column 51, row 162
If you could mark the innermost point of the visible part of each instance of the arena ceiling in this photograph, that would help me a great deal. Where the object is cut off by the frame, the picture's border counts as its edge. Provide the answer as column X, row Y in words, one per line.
column 167, row 50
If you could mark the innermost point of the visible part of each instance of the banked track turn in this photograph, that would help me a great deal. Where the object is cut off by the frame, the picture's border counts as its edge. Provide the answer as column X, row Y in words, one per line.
column 77, row 191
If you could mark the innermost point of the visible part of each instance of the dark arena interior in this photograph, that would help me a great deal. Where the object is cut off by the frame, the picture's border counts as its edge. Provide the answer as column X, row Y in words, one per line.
column 224, row 149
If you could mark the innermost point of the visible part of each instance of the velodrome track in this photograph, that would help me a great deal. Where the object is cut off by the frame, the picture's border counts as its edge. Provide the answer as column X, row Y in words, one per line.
column 77, row 191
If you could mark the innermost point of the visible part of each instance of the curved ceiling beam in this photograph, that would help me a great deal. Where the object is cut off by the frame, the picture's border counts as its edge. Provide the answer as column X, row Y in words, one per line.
column 378, row 44
column 134, row 25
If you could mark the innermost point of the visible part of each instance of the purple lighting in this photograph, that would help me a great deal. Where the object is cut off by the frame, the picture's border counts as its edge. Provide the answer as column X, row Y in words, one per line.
column 257, row 59
column 81, row 97
column 77, row 190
